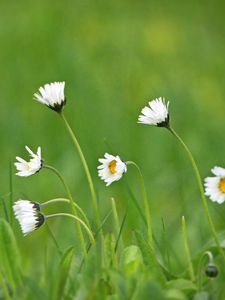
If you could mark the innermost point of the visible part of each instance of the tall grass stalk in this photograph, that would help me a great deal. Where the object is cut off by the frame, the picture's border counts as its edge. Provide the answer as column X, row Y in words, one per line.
column 187, row 250
column 10, row 194
column 116, row 219
column 145, row 199
column 201, row 189
column 85, row 165
column 73, row 208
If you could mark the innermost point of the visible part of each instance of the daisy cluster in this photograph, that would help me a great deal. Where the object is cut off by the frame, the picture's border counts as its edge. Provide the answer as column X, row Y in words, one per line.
column 111, row 167
column 27, row 212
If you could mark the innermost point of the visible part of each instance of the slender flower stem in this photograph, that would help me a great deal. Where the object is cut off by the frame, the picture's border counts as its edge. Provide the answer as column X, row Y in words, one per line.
column 56, row 200
column 201, row 189
column 145, row 198
column 71, row 204
column 91, row 237
column 85, row 165
column 187, row 251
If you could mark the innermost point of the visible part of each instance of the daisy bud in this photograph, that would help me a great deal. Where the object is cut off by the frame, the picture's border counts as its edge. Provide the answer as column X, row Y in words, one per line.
column 215, row 186
column 28, row 215
column 155, row 114
column 111, row 169
column 52, row 95
column 27, row 168
column 211, row 270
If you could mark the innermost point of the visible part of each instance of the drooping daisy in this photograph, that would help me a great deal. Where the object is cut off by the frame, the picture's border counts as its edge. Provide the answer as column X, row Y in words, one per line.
column 28, row 214
column 27, row 168
column 52, row 95
column 215, row 186
column 156, row 113
column 111, row 169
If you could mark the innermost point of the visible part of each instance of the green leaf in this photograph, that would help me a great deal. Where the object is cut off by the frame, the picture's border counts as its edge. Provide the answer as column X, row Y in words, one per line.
column 201, row 296
column 150, row 259
column 174, row 294
column 149, row 290
column 10, row 256
column 62, row 275
column 131, row 260
column 182, row 284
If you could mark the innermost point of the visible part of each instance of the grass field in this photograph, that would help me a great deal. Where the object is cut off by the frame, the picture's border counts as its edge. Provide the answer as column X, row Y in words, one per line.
column 114, row 57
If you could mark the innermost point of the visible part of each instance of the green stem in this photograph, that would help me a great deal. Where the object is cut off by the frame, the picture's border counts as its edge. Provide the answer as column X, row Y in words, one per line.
column 145, row 198
column 86, row 169
column 187, row 251
column 81, row 237
column 56, row 200
column 201, row 189
column 91, row 237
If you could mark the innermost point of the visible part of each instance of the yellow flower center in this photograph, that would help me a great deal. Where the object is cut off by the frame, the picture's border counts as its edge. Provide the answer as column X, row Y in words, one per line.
column 27, row 167
column 112, row 166
column 222, row 185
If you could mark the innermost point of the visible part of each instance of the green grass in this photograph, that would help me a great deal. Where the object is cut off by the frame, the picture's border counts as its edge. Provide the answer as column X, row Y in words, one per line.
column 114, row 57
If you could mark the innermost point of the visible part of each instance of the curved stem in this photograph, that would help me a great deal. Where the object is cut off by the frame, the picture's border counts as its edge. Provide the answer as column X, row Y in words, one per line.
column 91, row 237
column 60, row 178
column 187, row 251
column 201, row 189
column 145, row 198
column 210, row 256
column 52, row 201
column 71, row 204
column 86, row 169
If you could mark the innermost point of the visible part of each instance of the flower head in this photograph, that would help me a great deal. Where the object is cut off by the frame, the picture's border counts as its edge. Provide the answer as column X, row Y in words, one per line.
column 52, row 95
column 156, row 114
column 28, row 214
column 27, row 168
column 111, row 168
column 215, row 186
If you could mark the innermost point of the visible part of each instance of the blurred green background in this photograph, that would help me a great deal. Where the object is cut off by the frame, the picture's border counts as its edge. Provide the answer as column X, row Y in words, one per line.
column 115, row 56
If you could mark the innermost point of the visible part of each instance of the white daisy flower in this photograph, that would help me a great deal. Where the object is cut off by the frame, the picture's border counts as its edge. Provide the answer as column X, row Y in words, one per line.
column 28, row 214
column 111, row 168
column 215, row 186
column 156, row 114
column 27, row 168
column 52, row 95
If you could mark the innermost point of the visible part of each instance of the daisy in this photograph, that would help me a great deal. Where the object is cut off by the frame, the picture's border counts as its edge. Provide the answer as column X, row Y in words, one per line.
column 215, row 186
column 111, row 168
column 52, row 95
column 155, row 114
column 27, row 168
column 28, row 214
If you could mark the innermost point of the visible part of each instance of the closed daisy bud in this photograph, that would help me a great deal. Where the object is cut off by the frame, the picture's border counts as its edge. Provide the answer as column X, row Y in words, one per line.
column 27, row 168
column 215, row 186
column 111, row 169
column 28, row 214
column 155, row 114
column 211, row 270
column 52, row 95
